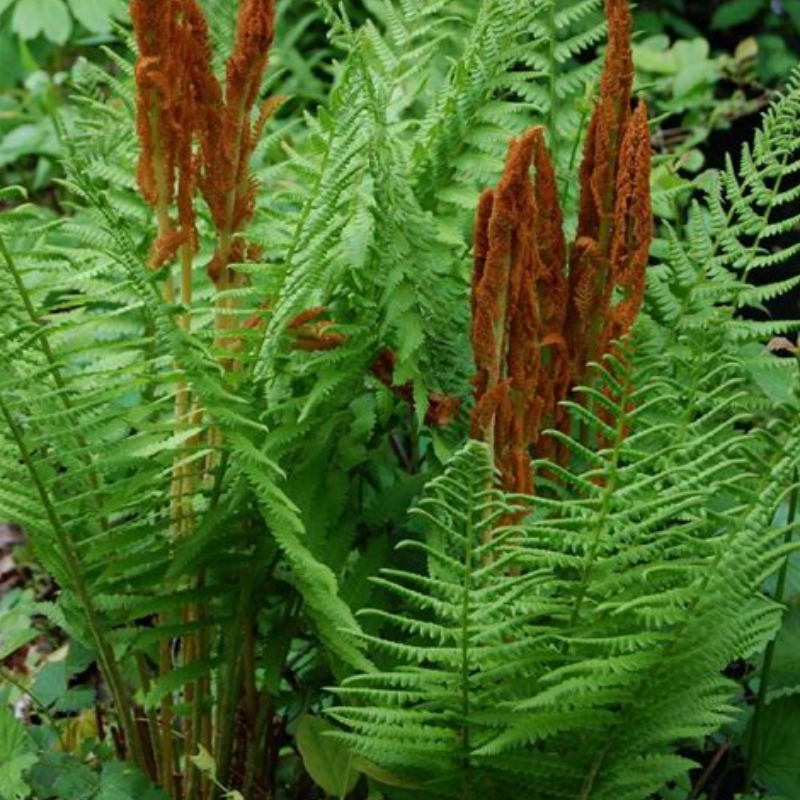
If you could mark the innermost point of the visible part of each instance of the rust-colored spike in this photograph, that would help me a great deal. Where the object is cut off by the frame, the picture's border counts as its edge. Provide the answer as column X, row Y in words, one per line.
column 174, row 59
column 502, row 236
column 593, row 278
column 317, row 337
column 552, row 293
column 181, row 102
column 481, row 246
column 304, row 317
column 508, row 325
column 606, row 130
column 550, row 223
column 166, row 246
column 633, row 226
column 255, row 32
column 232, row 134
column 537, row 326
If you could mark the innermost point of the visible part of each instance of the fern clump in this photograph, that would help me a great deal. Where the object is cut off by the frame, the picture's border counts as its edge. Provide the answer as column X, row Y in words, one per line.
column 572, row 652
column 316, row 514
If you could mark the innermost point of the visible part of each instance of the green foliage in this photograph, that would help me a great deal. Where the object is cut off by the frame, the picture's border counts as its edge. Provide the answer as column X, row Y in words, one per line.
column 16, row 756
column 328, row 762
column 569, row 645
column 738, row 230
column 56, row 19
column 776, row 26
column 576, row 648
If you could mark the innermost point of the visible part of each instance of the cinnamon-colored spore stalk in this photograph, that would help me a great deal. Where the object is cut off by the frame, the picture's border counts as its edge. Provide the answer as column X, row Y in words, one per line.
column 195, row 132
column 542, row 314
column 517, row 315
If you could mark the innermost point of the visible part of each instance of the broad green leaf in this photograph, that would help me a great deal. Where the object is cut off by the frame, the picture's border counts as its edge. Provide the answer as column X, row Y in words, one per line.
column 327, row 761
column 50, row 17
column 205, row 762
column 79, row 783
column 16, row 757
column 785, row 675
column 381, row 775
column 94, row 15
column 121, row 781
column 792, row 9
column 736, row 12
column 777, row 749
column 16, row 629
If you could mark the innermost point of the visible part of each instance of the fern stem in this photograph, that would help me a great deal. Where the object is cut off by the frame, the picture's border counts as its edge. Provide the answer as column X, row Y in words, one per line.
column 466, row 607
column 573, row 156
column 152, row 719
column 769, row 654
column 167, row 753
column 259, row 742
column 105, row 652
column 228, row 701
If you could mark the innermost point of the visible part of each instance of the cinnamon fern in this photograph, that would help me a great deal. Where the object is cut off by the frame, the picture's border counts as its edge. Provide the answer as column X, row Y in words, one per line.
column 357, row 476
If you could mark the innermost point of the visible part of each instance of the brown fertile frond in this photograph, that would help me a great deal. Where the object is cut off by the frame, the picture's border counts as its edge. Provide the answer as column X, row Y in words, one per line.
column 552, row 292
column 174, row 62
column 550, row 228
column 255, row 33
column 232, row 134
column 614, row 179
column 304, row 317
column 518, row 293
column 502, row 239
column 182, row 103
column 606, row 130
column 312, row 334
column 317, row 337
column 537, row 324
column 633, row 226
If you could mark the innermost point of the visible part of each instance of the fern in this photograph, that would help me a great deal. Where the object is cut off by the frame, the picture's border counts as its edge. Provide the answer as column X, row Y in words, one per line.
column 737, row 232
column 593, row 658
column 567, row 645
column 423, row 717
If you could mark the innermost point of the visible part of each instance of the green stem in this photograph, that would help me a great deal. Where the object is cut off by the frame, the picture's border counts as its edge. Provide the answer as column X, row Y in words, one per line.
column 769, row 654
column 466, row 602
column 105, row 652
column 552, row 65
column 604, row 513
column 228, row 701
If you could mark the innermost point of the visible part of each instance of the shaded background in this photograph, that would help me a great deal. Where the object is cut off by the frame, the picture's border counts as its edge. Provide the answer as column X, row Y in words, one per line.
column 711, row 64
